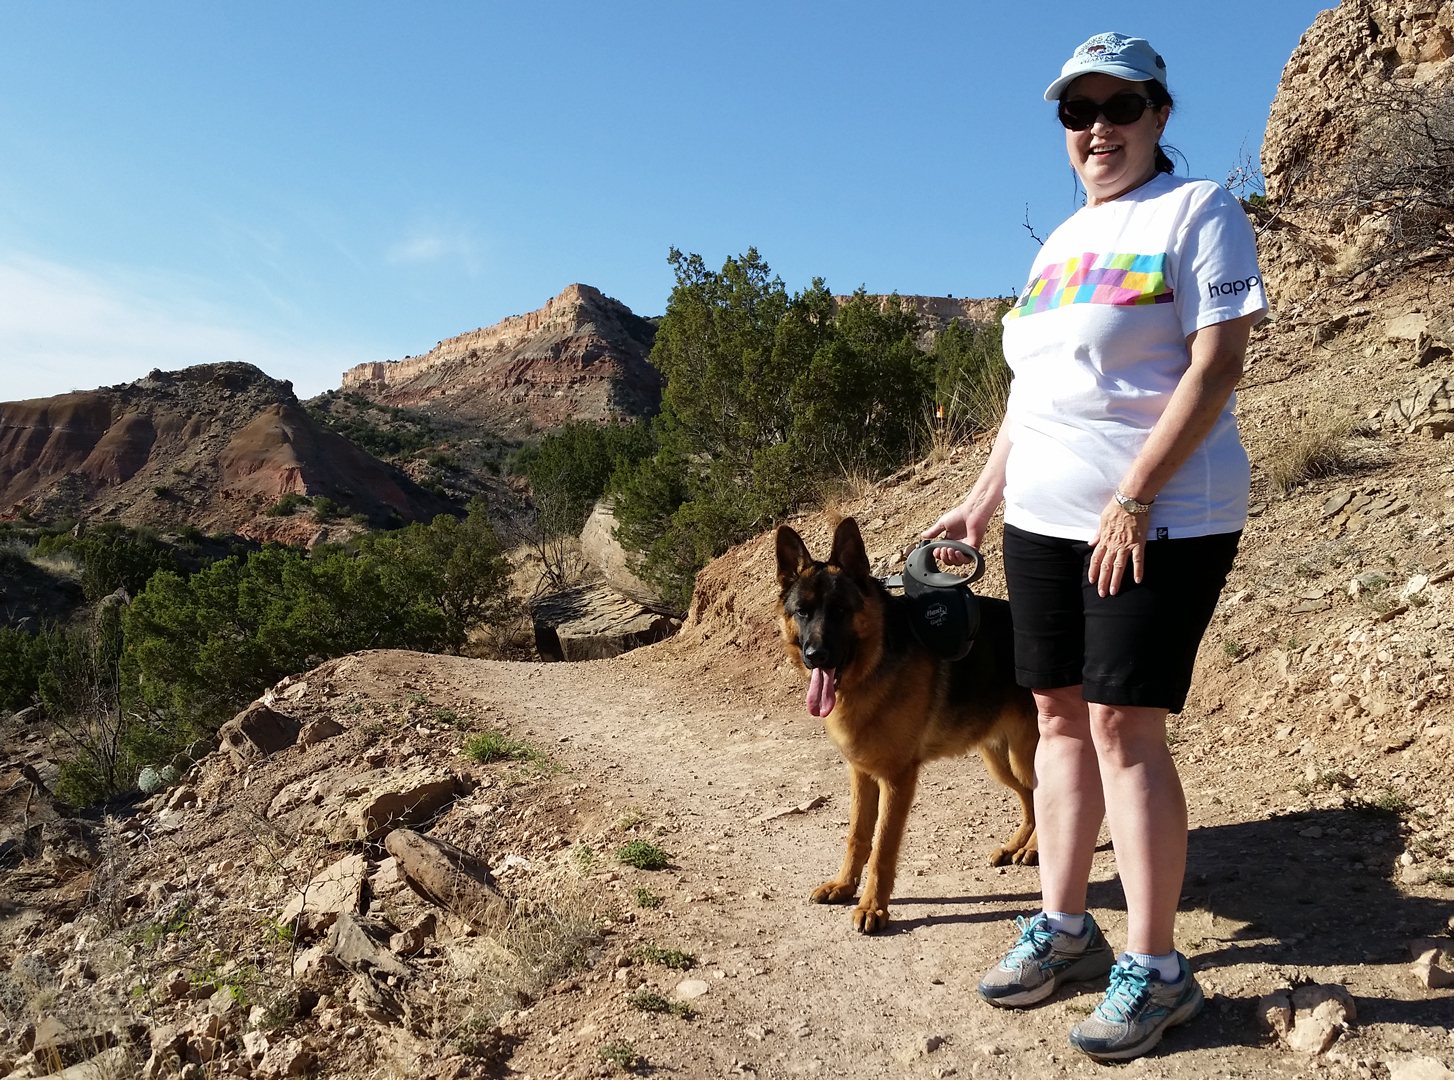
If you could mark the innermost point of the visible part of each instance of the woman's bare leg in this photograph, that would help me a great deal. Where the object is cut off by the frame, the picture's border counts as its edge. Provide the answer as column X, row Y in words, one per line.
column 1146, row 810
column 1068, row 800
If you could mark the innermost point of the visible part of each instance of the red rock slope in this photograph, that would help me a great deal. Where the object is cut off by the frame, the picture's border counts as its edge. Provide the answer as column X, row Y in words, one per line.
column 581, row 356
column 213, row 445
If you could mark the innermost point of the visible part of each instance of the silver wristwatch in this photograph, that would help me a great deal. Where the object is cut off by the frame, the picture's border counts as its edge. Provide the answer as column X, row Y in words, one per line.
column 1130, row 505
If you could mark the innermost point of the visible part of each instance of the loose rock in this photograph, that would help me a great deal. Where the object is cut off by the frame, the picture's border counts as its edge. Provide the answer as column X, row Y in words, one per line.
column 688, row 989
column 288, row 1059
column 1417, row 1067
column 337, row 889
column 1426, row 969
column 352, row 944
column 316, row 731
column 445, row 875
column 1274, row 1013
column 1320, row 1015
column 367, row 805
column 258, row 732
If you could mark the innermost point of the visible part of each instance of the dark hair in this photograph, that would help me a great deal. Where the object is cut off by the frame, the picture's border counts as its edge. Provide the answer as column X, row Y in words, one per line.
column 1160, row 97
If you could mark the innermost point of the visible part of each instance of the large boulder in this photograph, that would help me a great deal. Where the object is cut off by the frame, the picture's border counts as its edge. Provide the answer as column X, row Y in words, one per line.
column 594, row 622
column 258, row 732
column 601, row 549
column 1355, row 54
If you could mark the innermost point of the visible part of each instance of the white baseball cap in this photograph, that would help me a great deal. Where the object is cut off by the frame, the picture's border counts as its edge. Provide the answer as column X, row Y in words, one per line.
column 1130, row 58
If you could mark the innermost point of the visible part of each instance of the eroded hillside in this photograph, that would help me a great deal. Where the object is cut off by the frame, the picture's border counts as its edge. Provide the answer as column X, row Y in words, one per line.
column 212, row 446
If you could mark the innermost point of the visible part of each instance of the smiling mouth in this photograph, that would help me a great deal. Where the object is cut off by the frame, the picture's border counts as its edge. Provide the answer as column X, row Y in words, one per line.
column 1101, row 151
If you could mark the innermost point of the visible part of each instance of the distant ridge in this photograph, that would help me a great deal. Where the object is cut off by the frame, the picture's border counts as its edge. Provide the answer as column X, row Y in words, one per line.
column 214, row 446
column 581, row 356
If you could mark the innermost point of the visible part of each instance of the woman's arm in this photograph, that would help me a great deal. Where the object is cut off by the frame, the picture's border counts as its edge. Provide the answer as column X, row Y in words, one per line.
column 967, row 521
column 1217, row 352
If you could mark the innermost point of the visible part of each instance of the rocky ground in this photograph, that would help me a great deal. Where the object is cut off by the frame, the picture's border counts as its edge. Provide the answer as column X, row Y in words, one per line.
column 175, row 938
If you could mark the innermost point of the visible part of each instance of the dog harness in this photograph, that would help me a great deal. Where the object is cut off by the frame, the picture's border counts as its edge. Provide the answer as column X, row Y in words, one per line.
column 944, row 612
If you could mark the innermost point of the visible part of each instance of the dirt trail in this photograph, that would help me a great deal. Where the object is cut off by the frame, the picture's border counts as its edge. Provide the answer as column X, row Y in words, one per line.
column 793, row 990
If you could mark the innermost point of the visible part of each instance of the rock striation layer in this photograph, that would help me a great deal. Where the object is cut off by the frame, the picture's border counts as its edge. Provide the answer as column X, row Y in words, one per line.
column 213, row 445
column 583, row 356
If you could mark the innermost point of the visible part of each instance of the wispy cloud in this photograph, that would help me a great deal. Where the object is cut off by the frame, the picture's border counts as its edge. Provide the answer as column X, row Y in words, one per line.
column 431, row 243
column 62, row 329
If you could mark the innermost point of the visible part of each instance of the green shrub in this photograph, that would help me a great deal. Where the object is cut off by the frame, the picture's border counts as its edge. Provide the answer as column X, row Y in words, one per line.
column 325, row 509
column 619, row 1053
column 113, row 557
column 572, row 467
column 22, row 660
column 971, row 377
column 645, row 898
column 769, row 398
column 287, row 504
column 672, row 958
column 198, row 649
column 491, row 746
column 642, row 854
column 645, row 1000
column 385, row 431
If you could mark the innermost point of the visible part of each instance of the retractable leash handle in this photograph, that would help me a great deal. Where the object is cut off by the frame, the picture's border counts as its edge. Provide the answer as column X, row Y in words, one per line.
column 922, row 567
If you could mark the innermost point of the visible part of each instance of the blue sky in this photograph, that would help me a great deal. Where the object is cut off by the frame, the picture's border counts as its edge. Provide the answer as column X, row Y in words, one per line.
column 306, row 186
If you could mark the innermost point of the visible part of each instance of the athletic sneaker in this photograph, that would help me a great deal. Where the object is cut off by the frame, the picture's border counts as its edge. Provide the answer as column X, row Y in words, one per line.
column 1042, row 960
column 1137, row 1008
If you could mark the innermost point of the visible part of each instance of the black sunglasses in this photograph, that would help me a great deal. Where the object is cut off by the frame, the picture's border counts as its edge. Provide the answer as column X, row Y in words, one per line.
column 1078, row 114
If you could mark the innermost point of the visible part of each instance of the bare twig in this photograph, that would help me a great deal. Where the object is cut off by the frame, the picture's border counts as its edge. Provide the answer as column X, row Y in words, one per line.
column 1030, row 228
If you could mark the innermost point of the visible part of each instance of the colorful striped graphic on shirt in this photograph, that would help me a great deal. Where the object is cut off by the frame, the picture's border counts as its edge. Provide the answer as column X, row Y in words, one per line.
column 1123, row 280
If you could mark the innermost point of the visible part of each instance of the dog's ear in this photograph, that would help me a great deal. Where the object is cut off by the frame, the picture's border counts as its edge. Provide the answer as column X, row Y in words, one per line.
column 848, row 554
column 792, row 557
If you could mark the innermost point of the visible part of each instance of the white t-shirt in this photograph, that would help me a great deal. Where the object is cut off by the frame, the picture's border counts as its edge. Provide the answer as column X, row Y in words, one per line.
column 1097, row 343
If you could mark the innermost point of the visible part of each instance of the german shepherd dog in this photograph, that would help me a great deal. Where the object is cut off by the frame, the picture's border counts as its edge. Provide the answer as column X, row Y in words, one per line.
column 890, row 705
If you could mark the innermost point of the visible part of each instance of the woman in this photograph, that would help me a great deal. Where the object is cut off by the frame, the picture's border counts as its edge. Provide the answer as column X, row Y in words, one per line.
column 1125, row 489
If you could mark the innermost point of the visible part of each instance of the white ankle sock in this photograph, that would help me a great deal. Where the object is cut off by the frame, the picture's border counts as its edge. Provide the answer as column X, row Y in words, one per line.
column 1061, row 923
column 1167, row 968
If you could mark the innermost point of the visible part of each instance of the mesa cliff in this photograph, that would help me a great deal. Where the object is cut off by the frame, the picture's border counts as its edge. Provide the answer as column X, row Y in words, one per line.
column 214, row 446
column 583, row 356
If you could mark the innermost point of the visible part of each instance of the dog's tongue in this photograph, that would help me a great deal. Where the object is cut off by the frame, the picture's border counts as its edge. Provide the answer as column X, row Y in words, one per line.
column 821, row 694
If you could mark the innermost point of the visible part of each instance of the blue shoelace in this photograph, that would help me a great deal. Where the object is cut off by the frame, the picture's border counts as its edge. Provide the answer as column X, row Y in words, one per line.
column 1035, row 938
column 1129, row 989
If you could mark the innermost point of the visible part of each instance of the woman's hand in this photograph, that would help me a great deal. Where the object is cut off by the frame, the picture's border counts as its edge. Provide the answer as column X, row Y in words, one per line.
column 968, row 520
column 1120, row 540
column 965, row 522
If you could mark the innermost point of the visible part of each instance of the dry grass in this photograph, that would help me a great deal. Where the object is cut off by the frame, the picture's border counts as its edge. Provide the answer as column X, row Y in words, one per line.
column 853, row 485
column 942, row 434
column 1307, row 448
column 541, row 940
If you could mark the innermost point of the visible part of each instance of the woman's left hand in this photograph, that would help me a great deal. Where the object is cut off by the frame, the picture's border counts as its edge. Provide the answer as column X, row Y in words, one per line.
column 1120, row 540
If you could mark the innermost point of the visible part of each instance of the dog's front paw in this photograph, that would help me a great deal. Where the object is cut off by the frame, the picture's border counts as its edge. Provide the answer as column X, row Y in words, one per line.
column 870, row 916
column 833, row 891
column 1018, row 856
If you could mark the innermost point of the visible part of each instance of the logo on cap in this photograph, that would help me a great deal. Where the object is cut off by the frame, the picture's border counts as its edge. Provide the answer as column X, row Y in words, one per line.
column 1103, row 44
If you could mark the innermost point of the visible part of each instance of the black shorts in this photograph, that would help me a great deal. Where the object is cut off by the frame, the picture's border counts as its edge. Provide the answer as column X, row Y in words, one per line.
column 1135, row 648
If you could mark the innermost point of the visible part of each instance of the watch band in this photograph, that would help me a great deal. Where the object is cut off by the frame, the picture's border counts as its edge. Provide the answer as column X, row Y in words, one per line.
column 1132, row 506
